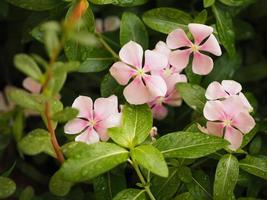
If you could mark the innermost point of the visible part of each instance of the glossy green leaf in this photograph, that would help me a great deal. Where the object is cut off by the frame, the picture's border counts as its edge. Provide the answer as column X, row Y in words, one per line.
column 102, row 2
column 165, row 20
column 28, row 66
column 184, row 196
column 256, row 165
column 136, row 125
column 189, row 144
column 208, row 3
column 129, row 3
column 35, row 142
column 110, row 86
column 184, row 174
column 193, row 95
column 201, row 17
column 65, row 115
column 88, row 161
column 7, row 187
column 36, row 5
column 237, row 2
column 165, row 188
column 60, row 67
column 225, row 28
column 18, row 125
column 58, row 186
column 255, row 146
column 131, row 194
column 132, row 28
column 226, row 177
column 27, row 193
column 150, row 158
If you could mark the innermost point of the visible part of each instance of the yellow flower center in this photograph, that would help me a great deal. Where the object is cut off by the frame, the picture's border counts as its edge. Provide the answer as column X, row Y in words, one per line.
column 140, row 72
column 227, row 122
column 92, row 123
column 194, row 48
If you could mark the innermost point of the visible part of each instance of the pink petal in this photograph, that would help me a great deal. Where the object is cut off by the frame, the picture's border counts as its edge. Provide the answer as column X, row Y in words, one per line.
column 75, row 126
column 132, row 53
column 173, row 99
column 121, row 72
column 215, row 91
column 155, row 60
column 213, row 111
column 180, row 58
column 212, row 46
column 105, row 107
column 111, row 23
column 232, row 106
column 177, row 39
column 32, row 85
column 202, row 64
column 162, row 47
column 245, row 102
column 215, row 128
column 159, row 112
column 99, row 25
column 89, row 136
column 85, row 106
column 136, row 92
column 234, row 136
column 200, row 32
column 173, row 79
column 155, row 85
column 244, row 122
column 231, row 87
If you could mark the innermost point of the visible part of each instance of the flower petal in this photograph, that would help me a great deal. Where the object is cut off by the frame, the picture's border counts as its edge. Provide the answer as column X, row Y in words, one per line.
column 156, row 85
column 159, row 112
column 162, row 47
column 75, row 126
column 84, row 105
column 32, row 85
column 215, row 128
column 232, row 106
column 234, row 136
column 211, row 46
column 111, row 23
column 179, row 58
column 177, row 39
column 132, row 53
column 173, row 99
column 89, row 136
column 213, row 111
column 173, row 79
column 155, row 60
column 105, row 107
column 121, row 72
column 200, row 32
column 215, row 91
column 244, row 122
column 136, row 92
column 202, row 64
column 231, row 87
column 245, row 102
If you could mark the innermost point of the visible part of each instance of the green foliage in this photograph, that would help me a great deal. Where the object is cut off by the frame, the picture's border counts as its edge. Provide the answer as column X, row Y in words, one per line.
column 36, row 5
column 7, row 187
column 27, row 193
column 131, row 194
column 65, row 115
column 58, row 186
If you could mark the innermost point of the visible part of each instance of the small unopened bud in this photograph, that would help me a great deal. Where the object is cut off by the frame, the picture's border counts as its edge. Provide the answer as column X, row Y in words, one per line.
column 78, row 11
column 153, row 133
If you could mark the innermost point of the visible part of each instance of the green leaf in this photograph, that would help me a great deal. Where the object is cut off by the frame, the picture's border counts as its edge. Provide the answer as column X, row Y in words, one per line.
column 110, row 86
column 18, row 125
column 65, row 115
column 58, row 186
column 132, row 28
column 129, row 3
column 255, row 165
column 136, row 125
column 59, row 67
column 189, row 144
column 56, row 83
column 226, row 177
column 7, row 187
column 184, row 196
column 165, row 188
column 98, row 60
column 208, row 3
column 88, row 161
column 36, row 142
column 131, row 194
column 249, row 136
column 165, row 20
column 201, row 17
column 225, row 28
column 150, row 158
column 237, row 2
column 184, row 174
column 36, row 5
column 102, row 2
column 27, row 193
column 193, row 95
column 255, row 146
column 28, row 66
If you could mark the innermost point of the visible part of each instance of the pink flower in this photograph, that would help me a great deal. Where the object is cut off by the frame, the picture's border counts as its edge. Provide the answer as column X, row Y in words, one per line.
column 172, row 76
column 110, row 23
column 32, row 85
column 145, row 86
column 202, row 64
column 228, row 119
column 226, row 89
column 92, row 122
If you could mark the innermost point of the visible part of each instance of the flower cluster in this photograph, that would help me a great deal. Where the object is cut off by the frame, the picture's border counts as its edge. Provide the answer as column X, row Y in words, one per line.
column 153, row 80
column 227, row 111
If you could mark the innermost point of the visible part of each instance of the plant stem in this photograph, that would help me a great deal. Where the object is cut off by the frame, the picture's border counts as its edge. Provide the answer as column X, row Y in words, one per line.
column 53, row 138
column 108, row 48
column 142, row 179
